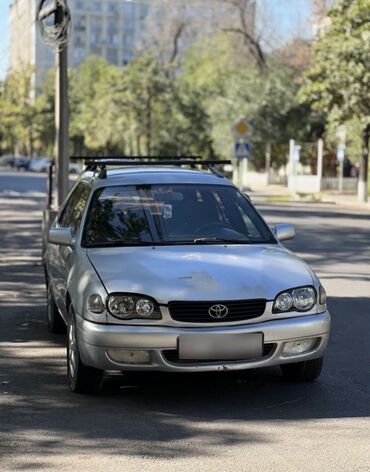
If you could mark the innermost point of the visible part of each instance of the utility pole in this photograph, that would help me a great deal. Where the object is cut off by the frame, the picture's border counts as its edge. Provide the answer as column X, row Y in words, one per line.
column 61, row 125
column 57, row 37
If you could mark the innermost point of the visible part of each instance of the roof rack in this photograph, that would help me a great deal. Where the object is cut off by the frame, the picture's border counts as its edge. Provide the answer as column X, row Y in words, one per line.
column 133, row 158
column 101, row 163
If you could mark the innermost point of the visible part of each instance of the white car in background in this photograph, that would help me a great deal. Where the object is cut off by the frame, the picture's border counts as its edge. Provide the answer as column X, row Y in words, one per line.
column 41, row 164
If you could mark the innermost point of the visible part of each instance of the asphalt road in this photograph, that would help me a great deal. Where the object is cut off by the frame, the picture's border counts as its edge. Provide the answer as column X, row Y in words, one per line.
column 251, row 421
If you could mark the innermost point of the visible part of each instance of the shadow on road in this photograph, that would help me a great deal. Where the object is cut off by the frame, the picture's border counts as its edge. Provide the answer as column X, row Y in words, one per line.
column 165, row 415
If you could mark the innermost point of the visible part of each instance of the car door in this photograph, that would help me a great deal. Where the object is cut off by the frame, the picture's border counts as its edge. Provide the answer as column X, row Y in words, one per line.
column 61, row 257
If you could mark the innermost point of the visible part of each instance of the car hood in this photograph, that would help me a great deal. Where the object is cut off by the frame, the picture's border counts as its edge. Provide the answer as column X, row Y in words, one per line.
column 187, row 273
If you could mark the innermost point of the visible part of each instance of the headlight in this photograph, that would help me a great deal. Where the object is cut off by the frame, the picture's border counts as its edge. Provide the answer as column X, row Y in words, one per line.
column 296, row 299
column 130, row 306
column 322, row 295
column 95, row 304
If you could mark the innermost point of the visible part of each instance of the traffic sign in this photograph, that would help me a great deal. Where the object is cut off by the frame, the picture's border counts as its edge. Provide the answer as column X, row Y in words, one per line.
column 241, row 129
column 341, row 153
column 242, row 150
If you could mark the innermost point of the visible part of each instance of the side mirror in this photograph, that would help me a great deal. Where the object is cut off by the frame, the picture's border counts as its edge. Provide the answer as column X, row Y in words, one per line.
column 284, row 232
column 61, row 236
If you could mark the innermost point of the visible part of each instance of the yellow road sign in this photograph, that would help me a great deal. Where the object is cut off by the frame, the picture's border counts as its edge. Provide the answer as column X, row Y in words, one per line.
column 241, row 129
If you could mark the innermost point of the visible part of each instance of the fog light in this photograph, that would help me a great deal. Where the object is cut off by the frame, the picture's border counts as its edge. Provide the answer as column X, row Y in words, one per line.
column 125, row 356
column 299, row 347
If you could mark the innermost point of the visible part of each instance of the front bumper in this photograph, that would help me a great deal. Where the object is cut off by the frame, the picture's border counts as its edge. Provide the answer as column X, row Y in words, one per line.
column 95, row 340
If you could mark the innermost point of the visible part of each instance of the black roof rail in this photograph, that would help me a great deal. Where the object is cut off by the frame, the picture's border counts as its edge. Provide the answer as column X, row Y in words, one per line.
column 101, row 163
column 133, row 158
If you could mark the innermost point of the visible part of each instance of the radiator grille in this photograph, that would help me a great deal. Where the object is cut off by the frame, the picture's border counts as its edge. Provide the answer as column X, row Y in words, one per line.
column 199, row 312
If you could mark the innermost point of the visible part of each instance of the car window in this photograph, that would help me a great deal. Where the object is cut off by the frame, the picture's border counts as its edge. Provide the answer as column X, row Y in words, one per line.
column 172, row 214
column 77, row 199
column 78, row 210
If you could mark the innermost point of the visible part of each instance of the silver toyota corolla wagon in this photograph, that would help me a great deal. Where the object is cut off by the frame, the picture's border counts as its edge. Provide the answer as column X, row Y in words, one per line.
column 168, row 268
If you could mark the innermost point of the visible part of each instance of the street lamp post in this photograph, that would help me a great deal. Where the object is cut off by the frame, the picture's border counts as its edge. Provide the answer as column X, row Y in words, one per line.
column 57, row 36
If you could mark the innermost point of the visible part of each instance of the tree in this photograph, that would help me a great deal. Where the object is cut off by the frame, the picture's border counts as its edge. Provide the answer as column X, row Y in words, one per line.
column 24, row 115
column 338, row 84
column 230, row 87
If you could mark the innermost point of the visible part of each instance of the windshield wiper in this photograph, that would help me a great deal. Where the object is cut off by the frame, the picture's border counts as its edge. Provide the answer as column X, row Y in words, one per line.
column 220, row 240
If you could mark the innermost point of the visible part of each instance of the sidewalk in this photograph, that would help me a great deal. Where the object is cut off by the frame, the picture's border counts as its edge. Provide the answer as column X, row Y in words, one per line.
column 279, row 193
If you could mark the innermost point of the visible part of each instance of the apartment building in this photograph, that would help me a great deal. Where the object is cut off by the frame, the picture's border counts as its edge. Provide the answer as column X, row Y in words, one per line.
column 112, row 29
column 106, row 28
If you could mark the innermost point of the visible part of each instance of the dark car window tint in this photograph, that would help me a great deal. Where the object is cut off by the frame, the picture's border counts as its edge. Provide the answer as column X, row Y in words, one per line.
column 66, row 217
column 78, row 210
column 172, row 214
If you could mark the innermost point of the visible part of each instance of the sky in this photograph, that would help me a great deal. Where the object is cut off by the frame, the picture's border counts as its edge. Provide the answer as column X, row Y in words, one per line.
column 278, row 18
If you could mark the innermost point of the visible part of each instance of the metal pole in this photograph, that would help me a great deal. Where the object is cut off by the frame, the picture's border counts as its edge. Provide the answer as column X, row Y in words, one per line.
column 49, row 187
column 61, row 125
column 244, row 173
column 340, row 180
column 320, row 162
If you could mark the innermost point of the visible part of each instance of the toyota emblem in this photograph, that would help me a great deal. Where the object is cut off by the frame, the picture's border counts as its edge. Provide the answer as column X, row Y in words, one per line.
column 218, row 311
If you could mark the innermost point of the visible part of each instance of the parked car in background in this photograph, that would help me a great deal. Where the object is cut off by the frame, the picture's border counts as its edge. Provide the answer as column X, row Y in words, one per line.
column 7, row 160
column 40, row 164
column 75, row 168
column 21, row 163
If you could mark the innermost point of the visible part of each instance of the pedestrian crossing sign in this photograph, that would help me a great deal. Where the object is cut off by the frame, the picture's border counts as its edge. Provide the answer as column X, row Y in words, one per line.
column 242, row 150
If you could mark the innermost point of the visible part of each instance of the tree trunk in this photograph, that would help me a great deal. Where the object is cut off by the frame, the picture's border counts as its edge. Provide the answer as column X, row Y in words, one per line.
column 149, row 127
column 364, row 167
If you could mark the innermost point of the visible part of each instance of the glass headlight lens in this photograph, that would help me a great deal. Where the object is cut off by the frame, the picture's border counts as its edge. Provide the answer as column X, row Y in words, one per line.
column 304, row 298
column 295, row 299
column 128, row 307
column 144, row 307
column 284, row 301
column 95, row 304
column 121, row 306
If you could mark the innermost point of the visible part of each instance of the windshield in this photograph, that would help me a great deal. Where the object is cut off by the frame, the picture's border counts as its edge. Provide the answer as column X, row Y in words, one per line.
column 172, row 214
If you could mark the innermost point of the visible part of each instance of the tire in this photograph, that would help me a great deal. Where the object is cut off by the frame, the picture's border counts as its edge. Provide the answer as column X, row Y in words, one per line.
column 306, row 371
column 55, row 322
column 81, row 378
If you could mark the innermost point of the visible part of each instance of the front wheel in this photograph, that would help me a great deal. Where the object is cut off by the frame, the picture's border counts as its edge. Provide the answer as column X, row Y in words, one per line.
column 306, row 371
column 81, row 378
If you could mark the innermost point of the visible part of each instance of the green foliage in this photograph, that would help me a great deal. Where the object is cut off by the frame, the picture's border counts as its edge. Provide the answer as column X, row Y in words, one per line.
column 153, row 108
column 231, row 87
column 24, row 119
column 338, row 84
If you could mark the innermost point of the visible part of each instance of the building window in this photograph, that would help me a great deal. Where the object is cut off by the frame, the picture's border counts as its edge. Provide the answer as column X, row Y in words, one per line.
column 128, row 10
column 80, row 5
column 112, row 8
column 79, row 55
column 112, row 56
column 95, row 38
column 144, row 10
column 95, row 6
column 79, row 40
column 112, row 25
column 113, row 39
column 79, row 24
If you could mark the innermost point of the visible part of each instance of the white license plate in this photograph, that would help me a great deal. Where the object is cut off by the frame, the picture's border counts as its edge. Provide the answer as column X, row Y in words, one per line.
column 221, row 347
